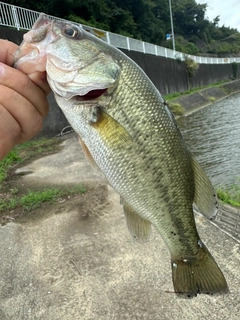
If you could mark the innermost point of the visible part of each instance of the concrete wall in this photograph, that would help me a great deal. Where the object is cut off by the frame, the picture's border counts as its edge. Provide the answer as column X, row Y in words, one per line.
column 168, row 75
column 212, row 73
column 11, row 34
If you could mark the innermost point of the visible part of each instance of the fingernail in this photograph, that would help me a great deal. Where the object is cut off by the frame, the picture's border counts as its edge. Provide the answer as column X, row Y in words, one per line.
column 2, row 69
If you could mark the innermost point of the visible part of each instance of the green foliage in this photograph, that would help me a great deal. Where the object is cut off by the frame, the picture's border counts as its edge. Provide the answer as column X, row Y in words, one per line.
column 58, row 8
column 147, row 20
column 34, row 199
column 235, row 69
column 230, row 194
column 192, row 67
column 22, row 152
column 176, row 108
column 187, row 47
column 7, row 162
column 172, row 96
column 188, row 16
column 212, row 99
column 190, row 48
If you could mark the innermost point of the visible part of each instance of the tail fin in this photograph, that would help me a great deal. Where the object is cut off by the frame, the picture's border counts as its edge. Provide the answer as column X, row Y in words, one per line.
column 198, row 275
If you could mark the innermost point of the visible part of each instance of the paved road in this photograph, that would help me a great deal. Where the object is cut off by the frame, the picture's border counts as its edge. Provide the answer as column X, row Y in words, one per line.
column 76, row 259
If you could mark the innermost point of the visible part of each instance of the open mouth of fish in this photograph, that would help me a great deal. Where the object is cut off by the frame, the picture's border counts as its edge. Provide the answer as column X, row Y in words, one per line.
column 79, row 92
column 91, row 95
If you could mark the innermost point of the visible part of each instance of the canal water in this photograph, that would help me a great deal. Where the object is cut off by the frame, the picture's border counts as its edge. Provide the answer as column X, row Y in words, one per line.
column 212, row 134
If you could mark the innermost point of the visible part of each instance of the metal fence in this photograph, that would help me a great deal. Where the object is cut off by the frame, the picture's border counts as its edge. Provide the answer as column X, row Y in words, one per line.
column 20, row 18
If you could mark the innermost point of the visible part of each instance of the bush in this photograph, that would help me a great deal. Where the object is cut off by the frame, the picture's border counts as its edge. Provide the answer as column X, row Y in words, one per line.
column 192, row 66
column 235, row 69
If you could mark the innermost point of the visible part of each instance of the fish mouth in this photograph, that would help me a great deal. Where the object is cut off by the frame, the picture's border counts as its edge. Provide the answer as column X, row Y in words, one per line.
column 91, row 95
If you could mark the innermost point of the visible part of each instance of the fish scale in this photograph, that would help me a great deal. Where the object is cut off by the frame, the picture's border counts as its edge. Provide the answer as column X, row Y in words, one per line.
column 129, row 132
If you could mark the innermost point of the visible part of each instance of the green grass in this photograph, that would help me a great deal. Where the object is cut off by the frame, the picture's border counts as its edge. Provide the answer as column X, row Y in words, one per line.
column 176, row 108
column 12, row 158
column 230, row 194
column 212, row 99
column 178, row 94
column 34, row 199
column 23, row 152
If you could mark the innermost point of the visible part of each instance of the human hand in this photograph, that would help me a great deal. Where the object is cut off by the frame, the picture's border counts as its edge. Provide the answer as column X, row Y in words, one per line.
column 23, row 101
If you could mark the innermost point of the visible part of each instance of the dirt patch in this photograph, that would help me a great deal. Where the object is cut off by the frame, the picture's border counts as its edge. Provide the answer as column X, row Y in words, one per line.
column 90, row 204
column 19, row 182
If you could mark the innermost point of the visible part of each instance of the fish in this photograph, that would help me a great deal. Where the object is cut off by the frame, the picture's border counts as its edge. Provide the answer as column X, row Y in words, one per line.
column 127, row 130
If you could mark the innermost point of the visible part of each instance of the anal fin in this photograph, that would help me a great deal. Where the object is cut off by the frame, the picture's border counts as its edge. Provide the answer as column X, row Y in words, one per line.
column 139, row 228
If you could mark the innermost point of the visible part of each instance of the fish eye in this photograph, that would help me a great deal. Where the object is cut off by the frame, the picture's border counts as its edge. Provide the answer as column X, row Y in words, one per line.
column 70, row 31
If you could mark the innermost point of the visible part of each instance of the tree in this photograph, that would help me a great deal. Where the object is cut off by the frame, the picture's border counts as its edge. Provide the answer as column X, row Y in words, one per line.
column 58, row 8
column 188, row 17
column 147, row 20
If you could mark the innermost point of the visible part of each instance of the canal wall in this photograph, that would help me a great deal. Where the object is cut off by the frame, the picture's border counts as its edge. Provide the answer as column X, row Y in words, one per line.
column 168, row 76
column 191, row 102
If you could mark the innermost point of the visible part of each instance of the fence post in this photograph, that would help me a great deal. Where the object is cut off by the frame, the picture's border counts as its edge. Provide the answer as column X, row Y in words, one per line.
column 15, row 17
column 143, row 46
column 128, row 44
column 108, row 38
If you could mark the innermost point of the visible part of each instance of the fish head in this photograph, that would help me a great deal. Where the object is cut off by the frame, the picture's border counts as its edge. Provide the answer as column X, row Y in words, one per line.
column 77, row 67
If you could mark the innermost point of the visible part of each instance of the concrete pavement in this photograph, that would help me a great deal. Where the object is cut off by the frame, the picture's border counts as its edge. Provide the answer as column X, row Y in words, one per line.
column 75, row 260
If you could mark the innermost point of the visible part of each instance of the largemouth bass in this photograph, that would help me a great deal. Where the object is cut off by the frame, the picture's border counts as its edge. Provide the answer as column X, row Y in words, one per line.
column 128, row 131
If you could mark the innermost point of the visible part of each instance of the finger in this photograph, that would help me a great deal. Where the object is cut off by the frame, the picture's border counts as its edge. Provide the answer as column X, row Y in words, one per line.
column 7, row 51
column 22, row 84
column 40, row 79
column 10, row 132
column 22, row 111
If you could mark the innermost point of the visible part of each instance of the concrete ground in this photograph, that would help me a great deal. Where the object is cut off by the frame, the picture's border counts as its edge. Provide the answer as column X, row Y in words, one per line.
column 75, row 259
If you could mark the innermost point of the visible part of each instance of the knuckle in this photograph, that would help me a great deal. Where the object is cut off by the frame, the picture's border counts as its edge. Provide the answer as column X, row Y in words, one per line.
column 37, row 125
column 45, row 108
column 10, row 129
column 15, row 133
column 32, row 130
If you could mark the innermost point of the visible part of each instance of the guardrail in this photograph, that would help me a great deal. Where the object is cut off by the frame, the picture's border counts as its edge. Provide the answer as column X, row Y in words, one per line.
column 20, row 18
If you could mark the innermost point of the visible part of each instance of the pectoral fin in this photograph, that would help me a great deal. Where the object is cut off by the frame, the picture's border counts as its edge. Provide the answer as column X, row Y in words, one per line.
column 139, row 228
column 205, row 197
column 88, row 154
column 112, row 133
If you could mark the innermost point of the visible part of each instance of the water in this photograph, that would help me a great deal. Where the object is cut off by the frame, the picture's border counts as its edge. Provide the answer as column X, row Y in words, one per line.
column 212, row 135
